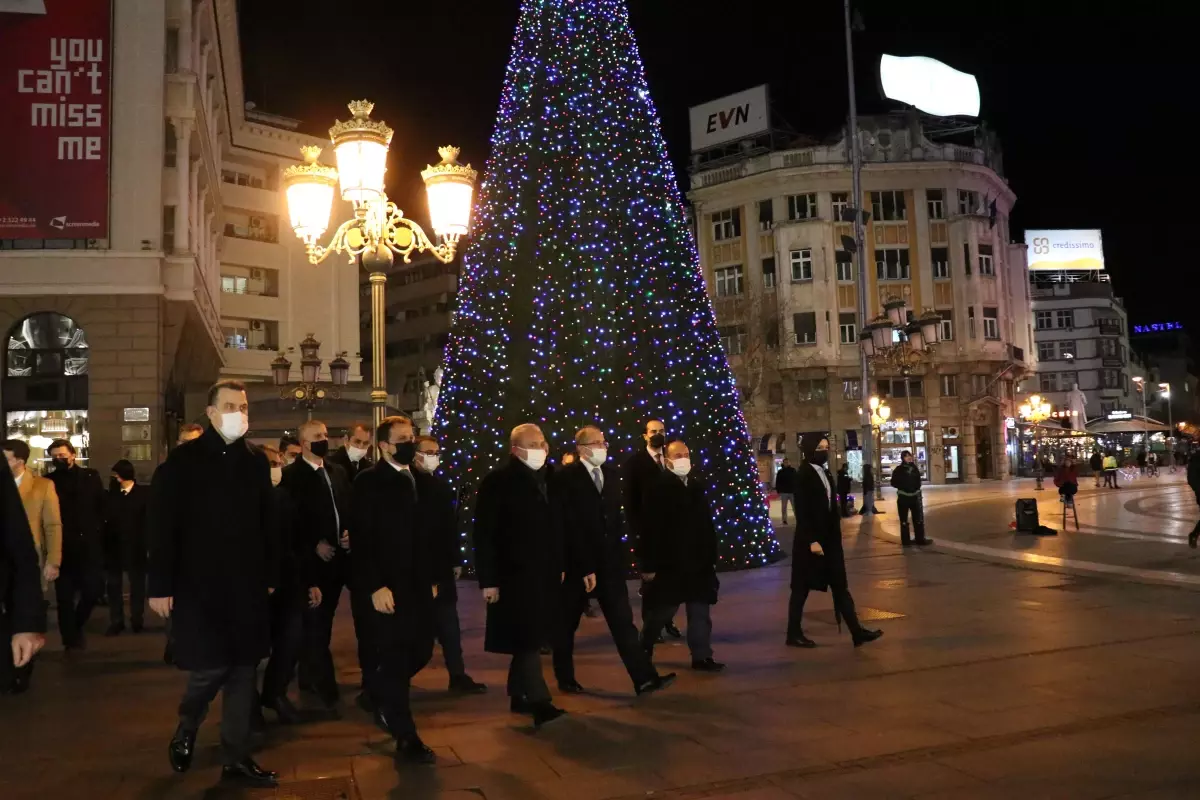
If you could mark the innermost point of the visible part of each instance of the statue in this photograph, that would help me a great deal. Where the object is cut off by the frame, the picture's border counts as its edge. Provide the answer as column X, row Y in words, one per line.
column 429, row 396
column 1077, row 405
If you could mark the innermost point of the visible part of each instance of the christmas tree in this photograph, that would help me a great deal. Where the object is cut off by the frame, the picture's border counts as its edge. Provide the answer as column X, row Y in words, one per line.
column 581, row 299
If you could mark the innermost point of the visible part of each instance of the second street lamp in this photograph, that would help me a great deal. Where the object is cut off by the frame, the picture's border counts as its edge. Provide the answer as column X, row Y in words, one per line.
column 1036, row 411
column 308, row 392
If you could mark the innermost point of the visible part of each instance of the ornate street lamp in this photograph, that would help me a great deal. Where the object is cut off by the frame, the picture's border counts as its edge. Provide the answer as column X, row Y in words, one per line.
column 308, row 392
column 378, row 231
column 1035, row 411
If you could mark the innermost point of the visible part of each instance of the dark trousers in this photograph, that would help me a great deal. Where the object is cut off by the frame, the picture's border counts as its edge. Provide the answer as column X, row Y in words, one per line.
column 316, row 665
column 448, row 632
column 137, row 596
column 1068, row 489
column 613, row 597
column 1110, row 478
column 525, row 679
column 699, row 627
column 843, row 605
column 78, row 588
column 237, row 687
column 361, row 609
column 287, row 637
column 391, row 687
column 911, row 505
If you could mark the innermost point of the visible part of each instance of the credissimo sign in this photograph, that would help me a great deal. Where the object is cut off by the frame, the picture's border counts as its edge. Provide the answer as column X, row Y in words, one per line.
column 1065, row 249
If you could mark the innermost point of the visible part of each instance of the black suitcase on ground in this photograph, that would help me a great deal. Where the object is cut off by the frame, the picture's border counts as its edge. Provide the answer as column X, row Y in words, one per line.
column 1027, row 516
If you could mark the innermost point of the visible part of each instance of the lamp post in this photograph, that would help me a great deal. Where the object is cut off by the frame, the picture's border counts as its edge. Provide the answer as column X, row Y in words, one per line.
column 308, row 392
column 879, row 414
column 1035, row 411
column 378, row 231
column 1165, row 388
column 1141, row 387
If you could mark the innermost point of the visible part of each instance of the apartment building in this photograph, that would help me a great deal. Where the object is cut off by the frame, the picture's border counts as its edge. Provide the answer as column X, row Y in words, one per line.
column 769, row 229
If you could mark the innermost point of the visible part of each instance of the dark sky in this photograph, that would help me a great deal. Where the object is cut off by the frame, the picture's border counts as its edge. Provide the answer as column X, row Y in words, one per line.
column 1086, row 96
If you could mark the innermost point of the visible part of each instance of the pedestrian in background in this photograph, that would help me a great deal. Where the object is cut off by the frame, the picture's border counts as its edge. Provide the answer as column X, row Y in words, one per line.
column 1110, row 470
column 1096, row 462
column 1066, row 478
column 126, row 546
column 785, row 487
column 845, row 487
column 81, row 504
column 642, row 469
column 906, row 480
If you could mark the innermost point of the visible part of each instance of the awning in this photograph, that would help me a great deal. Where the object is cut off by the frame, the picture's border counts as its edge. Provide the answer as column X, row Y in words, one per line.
column 1132, row 425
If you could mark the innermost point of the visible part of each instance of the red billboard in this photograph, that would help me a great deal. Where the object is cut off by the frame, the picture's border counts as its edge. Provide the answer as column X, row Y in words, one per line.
column 55, row 97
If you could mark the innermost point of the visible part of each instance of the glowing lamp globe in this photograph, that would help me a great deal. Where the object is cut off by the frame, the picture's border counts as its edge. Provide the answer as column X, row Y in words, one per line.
column 281, row 368
column 897, row 312
column 310, row 362
column 361, row 147
column 309, row 190
column 930, row 323
column 881, row 333
column 450, row 187
column 339, row 371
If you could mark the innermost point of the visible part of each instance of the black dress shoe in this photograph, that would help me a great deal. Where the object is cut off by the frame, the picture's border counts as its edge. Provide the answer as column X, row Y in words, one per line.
column 923, row 542
column 181, row 750
column 520, row 705
column 866, row 635
column 672, row 630
column 545, row 713
column 414, row 751
column 570, row 687
column 287, row 713
column 656, row 684
column 464, row 684
column 800, row 641
column 906, row 543
column 708, row 665
column 116, row 629
column 247, row 773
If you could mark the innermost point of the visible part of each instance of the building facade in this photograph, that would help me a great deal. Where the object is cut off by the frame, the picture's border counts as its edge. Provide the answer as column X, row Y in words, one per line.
column 112, row 342
column 769, row 231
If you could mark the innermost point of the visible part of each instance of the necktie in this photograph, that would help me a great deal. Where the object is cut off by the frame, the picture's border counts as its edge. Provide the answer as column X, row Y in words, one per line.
column 658, row 460
column 598, row 479
column 337, row 518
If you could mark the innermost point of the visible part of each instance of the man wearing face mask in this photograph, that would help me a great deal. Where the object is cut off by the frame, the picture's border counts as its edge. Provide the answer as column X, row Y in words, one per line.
column 642, row 470
column 214, row 563
column 81, row 503
column 125, row 548
column 289, row 449
column 437, row 504
column 818, row 561
column 590, row 496
column 355, row 455
column 519, row 556
column 678, row 557
column 188, row 432
column 320, row 494
column 394, row 566
column 906, row 480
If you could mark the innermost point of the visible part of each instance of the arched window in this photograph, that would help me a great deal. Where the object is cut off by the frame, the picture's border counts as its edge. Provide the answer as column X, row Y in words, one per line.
column 46, row 345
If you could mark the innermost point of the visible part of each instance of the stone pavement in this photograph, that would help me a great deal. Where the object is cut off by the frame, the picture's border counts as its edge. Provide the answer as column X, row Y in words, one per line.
column 991, row 682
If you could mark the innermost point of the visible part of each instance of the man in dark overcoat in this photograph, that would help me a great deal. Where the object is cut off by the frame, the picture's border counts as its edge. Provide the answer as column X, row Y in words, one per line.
column 818, row 560
column 213, row 566
column 125, row 548
column 520, row 559
column 82, row 505
column 22, row 609
column 642, row 469
column 597, row 554
column 393, row 565
column 355, row 455
column 678, row 557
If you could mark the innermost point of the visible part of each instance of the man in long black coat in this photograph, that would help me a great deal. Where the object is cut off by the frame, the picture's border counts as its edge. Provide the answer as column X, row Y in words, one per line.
column 438, row 509
column 22, row 610
column 678, row 557
column 81, row 503
column 520, row 559
column 213, row 566
column 187, row 432
column 597, row 554
column 393, row 566
column 355, row 455
column 125, row 547
column 642, row 469
column 818, row 560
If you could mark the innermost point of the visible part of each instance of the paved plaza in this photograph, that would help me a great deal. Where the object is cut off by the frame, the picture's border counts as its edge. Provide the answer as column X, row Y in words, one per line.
column 1012, row 667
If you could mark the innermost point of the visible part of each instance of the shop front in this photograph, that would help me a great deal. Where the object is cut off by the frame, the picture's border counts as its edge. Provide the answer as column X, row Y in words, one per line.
column 896, row 436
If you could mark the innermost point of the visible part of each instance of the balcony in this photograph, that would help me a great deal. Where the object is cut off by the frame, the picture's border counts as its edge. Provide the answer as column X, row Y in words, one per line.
column 250, row 306
column 251, row 198
column 1112, row 361
column 253, row 252
column 1109, row 327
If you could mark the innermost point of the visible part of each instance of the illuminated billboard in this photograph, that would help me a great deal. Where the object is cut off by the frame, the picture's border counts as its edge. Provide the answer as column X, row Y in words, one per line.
column 929, row 85
column 1065, row 250
column 737, row 116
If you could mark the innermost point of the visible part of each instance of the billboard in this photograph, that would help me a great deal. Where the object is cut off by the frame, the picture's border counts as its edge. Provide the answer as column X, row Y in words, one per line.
column 54, row 111
column 929, row 85
column 1057, row 250
column 737, row 116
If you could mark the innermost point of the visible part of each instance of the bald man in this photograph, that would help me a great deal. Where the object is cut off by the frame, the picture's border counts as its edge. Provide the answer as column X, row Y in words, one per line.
column 519, row 556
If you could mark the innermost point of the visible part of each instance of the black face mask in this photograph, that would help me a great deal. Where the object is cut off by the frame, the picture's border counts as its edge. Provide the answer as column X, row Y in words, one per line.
column 320, row 449
column 658, row 440
column 61, row 463
column 114, row 485
column 405, row 452
column 819, row 457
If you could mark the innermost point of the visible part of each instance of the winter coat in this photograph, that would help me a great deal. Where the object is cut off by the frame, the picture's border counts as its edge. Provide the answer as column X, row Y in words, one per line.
column 82, row 503
column 20, row 577
column 594, row 525
column 679, row 544
column 1193, row 472
column 214, row 548
column 785, row 480
column 125, row 541
column 439, row 512
column 341, row 457
column 519, row 549
column 639, row 471
column 906, row 479
column 818, row 519
column 317, row 517
column 1096, row 462
column 1065, row 474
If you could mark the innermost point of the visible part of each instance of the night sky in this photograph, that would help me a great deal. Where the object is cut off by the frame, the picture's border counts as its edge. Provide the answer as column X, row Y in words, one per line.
column 1086, row 96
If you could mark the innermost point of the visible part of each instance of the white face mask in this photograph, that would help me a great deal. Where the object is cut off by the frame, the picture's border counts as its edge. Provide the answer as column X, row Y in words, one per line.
column 234, row 425
column 596, row 456
column 681, row 466
column 276, row 475
column 428, row 463
column 534, row 459
column 356, row 453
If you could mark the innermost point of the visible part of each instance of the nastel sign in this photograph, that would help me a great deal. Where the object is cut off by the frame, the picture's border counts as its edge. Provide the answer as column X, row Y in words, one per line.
column 54, row 112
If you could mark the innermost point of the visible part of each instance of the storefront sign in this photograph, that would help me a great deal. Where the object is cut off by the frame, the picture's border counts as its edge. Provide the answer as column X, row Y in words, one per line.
column 1119, row 414
column 54, row 110
column 1158, row 327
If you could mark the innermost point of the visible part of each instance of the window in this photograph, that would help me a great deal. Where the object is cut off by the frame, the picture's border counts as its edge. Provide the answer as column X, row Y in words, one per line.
column 851, row 389
column 808, row 391
column 1064, row 318
column 891, row 264
column 775, row 393
column 46, row 345
column 802, row 265
column 846, row 272
column 802, row 206
column 848, row 328
column 1045, row 351
column 947, row 323
column 1110, row 379
column 935, row 199
column 729, row 281
column 1124, row 383
column 968, row 202
column 233, row 284
column 895, row 388
column 939, row 257
column 986, row 265
column 766, row 214
column 1067, row 380
column 967, row 257
column 841, row 202
column 1043, row 320
column 726, row 224
column 804, row 325
column 991, row 324
column 980, row 385
column 168, row 229
column 949, row 386
column 733, row 339
column 768, row 268
column 888, row 206
column 1066, row 349
column 1108, row 348
column 1048, row 382
column 971, row 321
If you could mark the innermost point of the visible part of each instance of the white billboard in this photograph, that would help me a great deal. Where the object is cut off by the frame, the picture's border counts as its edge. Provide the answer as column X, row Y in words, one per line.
column 1056, row 250
column 929, row 85
column 737, row 116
